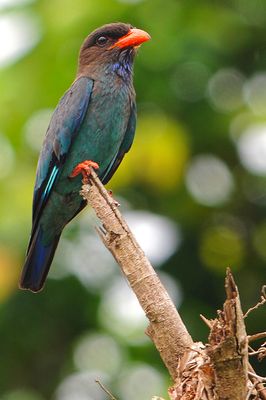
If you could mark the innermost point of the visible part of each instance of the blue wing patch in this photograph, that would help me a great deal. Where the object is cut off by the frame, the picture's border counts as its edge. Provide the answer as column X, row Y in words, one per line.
column 50, row 182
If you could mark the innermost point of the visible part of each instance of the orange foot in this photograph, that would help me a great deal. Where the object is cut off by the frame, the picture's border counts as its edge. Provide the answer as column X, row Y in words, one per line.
column 84, row 168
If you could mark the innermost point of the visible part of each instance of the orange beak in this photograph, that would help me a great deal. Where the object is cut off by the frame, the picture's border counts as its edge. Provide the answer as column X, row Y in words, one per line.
column 134, row 37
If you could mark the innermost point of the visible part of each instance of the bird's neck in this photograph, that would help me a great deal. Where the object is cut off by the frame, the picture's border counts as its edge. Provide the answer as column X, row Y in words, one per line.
column 122, row 68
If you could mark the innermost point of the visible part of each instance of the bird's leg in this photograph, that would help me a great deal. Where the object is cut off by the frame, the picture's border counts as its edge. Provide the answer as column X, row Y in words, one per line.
column 84, row 168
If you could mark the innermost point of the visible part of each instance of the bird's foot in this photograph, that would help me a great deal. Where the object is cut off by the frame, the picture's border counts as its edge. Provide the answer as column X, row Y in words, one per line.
column 84, row 168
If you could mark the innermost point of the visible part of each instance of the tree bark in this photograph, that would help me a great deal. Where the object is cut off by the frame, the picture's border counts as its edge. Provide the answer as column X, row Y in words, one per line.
column 228, row 350
column 166, row 328
column 218, row 370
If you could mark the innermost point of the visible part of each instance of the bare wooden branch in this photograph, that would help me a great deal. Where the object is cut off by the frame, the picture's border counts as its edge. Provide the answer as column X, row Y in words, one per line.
column 261, row 353
column 207, row 321
column 109, row 394
column 257, row 336
column 260, row 303
column 258, row 384
column 166, row 328
column 216, row 371
column 229, row 347
column 219, row 370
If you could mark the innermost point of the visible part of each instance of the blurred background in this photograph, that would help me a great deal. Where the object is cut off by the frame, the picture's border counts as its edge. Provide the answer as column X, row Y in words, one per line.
column 193, row 189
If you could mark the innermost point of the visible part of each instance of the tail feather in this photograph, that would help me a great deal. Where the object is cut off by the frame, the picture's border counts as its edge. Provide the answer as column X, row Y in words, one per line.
column 38, row 261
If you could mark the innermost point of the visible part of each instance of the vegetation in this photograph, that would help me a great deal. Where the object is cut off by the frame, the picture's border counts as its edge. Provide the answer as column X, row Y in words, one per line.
column 193, row 188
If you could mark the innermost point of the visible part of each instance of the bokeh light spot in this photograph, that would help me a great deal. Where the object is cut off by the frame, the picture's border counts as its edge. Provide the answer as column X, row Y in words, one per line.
column 222, row 246
column 158, row 236
column 251, row 147
column 239, row 123
column 81, row 386
column 94, row 350
column 161, row 144
column 141, row 382
column 36, row 127
column 118, row 299
column 86, row 258
column 12, row 3
column 255, row 93
column 225, row 90
column 19, row 33
column 190, row 81
column 209, row 180
column 114, row 313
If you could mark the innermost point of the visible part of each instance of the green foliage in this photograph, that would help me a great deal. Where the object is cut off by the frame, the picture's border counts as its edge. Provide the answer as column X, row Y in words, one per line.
column 199, row 160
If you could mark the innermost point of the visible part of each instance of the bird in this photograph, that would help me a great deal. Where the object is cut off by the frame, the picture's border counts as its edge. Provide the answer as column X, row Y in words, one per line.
column 93, row 126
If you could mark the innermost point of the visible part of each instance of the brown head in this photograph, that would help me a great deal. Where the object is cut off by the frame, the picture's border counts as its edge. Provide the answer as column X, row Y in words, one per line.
column 110, row 48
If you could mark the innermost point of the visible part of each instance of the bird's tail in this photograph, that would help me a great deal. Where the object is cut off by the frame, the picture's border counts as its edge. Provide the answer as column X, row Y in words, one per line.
column 38, row 261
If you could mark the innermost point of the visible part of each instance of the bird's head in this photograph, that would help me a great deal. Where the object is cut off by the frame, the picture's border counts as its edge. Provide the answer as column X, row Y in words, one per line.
column 111, row 48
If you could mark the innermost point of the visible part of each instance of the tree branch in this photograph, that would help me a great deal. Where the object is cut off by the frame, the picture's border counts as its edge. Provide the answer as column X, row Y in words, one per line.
column 229, row 347
column 166, row 328
column 216, row 371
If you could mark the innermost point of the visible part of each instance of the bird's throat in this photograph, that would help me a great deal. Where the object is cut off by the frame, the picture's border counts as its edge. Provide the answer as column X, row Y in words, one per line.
column 124, row 66
column 123, row 70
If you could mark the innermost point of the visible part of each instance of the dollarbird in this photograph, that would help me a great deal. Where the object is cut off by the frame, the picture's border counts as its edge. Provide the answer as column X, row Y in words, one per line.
column 93, row 125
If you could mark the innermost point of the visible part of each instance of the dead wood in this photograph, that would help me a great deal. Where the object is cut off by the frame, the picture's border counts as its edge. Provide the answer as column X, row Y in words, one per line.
column 228, row 349
column 218, row 370
column 166, row 328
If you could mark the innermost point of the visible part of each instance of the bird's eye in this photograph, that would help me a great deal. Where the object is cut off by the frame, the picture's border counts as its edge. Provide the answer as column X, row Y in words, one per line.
column 101, row 41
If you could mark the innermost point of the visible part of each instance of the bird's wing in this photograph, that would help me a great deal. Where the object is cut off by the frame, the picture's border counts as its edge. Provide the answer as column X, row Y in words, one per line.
column 64, row 125
column 124, row 147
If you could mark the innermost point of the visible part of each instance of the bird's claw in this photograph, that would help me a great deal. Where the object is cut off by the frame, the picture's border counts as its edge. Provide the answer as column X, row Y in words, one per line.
column 84, row 168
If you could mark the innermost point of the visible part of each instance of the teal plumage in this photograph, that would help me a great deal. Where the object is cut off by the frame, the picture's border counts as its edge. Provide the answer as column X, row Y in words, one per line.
column 94, row 120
